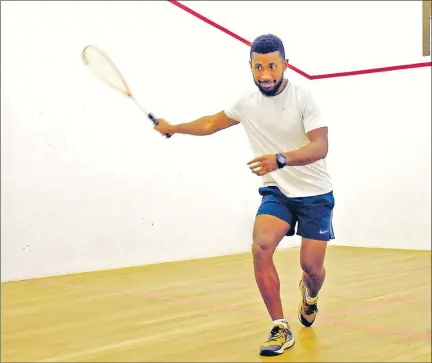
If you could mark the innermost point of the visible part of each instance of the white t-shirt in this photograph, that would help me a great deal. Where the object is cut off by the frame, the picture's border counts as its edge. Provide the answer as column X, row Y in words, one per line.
column 279, row 124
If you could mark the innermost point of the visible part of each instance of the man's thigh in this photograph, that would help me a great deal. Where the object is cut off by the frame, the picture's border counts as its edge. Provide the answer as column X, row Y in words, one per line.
column 268, row 231
column 312, row 254
column 315, row 217
column 274, row 205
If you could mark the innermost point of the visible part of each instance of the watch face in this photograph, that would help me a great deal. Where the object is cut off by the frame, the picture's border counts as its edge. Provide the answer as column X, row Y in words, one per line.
column 281, row 159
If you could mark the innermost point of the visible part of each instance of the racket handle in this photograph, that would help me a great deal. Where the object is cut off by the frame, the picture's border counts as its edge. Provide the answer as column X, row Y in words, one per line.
column 155, row 122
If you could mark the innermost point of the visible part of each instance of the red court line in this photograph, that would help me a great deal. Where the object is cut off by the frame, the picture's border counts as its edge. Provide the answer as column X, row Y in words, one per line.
column 299, row 71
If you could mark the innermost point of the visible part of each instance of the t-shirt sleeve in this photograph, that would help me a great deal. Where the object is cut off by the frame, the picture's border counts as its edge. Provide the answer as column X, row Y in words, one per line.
column 311, row 113
column 234, row 111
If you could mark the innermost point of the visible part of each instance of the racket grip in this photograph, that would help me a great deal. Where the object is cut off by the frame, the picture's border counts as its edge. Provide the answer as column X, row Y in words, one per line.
column 151, row 117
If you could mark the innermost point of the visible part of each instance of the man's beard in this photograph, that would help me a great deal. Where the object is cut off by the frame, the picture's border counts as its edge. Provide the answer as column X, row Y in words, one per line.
column 271, row 91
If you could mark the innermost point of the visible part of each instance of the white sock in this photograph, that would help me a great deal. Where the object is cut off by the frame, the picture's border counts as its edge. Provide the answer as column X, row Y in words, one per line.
column 281, row 322
column 309, row 299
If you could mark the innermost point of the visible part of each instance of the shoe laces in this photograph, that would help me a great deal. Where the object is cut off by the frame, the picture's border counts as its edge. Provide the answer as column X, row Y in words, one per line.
column 310, row 309
column 276, row 333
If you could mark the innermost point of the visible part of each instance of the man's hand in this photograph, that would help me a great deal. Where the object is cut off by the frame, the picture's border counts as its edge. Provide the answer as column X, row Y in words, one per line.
column 164, row 127
column 263, row 164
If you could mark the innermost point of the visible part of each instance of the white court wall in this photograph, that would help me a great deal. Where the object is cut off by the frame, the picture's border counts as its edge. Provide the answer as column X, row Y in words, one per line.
column 87, row 185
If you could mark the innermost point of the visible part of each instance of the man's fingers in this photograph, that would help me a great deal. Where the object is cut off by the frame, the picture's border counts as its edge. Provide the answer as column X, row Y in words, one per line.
column 259, row 166
column 259, row 171
column 256, row 160
column 258, row 163
column 255, row 166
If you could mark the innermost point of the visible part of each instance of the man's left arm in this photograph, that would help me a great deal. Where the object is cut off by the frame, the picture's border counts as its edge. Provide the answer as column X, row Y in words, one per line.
column 315, row 150
column 317, row 132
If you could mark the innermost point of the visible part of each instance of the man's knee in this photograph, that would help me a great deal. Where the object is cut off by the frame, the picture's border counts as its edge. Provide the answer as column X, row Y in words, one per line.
column 313, row 269
column 312, row 254
column 268, row 232
column 263, row 246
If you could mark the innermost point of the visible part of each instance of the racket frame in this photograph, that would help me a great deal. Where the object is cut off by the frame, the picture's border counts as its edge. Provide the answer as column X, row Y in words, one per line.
column 127, row 92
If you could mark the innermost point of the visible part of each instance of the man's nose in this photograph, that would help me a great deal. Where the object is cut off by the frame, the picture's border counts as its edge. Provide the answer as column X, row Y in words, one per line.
column 266, row 76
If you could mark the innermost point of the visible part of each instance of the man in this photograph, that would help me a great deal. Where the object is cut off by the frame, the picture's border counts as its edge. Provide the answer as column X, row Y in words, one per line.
column 289, row 139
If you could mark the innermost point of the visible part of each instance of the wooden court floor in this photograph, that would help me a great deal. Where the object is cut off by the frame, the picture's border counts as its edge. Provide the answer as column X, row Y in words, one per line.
column 375, row 306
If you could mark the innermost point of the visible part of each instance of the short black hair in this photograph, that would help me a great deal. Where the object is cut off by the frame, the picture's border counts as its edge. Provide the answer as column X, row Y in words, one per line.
column 267, row 43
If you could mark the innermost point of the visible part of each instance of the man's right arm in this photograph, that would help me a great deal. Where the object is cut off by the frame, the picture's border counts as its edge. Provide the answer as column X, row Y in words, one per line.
column 206, row 125
column 203, row 126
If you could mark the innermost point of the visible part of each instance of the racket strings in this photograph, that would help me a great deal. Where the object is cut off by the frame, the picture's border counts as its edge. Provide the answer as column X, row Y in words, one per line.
column 104, row 69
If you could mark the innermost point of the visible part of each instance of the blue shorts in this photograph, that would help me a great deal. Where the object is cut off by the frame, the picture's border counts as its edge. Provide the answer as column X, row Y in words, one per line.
column 312, row 216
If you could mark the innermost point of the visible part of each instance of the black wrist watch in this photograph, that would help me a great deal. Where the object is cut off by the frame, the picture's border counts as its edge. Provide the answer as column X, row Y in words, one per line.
column 281, row 160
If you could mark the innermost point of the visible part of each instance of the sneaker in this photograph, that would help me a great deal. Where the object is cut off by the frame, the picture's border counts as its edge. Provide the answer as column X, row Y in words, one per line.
column 307, row 309
column 280, row 338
